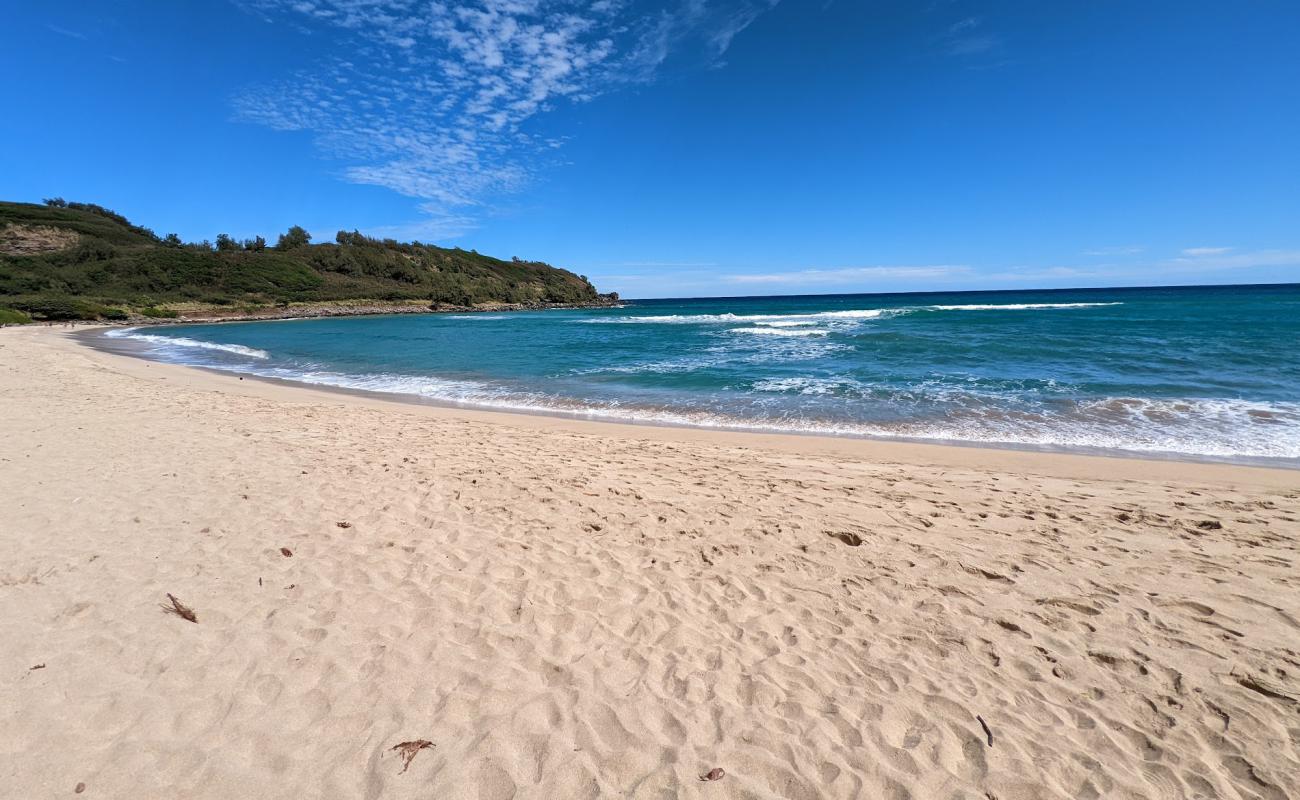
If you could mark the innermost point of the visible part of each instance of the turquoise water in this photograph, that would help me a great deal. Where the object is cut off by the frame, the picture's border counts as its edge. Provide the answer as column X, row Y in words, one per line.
column 1200, row 372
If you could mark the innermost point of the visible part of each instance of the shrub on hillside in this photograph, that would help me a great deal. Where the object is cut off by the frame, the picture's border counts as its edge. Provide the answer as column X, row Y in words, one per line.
column 58, row 308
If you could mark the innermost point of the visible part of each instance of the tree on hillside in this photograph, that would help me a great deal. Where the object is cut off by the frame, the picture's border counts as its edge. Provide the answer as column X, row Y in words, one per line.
column 257, row 244
column 172, row 240
column 294, row 237
column 226, row 244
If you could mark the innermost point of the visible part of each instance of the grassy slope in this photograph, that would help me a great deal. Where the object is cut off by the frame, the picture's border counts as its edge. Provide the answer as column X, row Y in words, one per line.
column 119, row 265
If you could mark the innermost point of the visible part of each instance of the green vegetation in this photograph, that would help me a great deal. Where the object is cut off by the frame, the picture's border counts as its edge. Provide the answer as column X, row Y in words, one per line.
column 67, row 260
column 10, row 317
column 57, row 308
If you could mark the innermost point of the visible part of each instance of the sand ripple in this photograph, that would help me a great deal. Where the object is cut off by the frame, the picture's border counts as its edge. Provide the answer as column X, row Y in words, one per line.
column 567, row 615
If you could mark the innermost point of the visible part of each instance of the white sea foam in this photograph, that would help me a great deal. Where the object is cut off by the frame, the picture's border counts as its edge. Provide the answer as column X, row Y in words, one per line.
column 1230, row 429
column 804, row 386
column 1270, row 418
column 730, row 352
column 665, row 367
column 1018, row 306
column 181, row 341
column 781, row 331
column 962, row 408
column 868, row 313
column 459, row 391
column 819, row 317
column 811, row 318
column 1223, row 429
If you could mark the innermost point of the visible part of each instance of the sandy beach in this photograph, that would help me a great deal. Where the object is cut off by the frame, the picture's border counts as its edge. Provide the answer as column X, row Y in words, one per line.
column 561, row 609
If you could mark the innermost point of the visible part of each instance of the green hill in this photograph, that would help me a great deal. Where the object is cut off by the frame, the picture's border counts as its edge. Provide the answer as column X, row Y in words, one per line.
column 81, row 261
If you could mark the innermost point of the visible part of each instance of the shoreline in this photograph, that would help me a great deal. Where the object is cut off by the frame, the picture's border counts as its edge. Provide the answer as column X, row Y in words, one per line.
column 93, row 338
column 1130, row 465
column 564, row 608
column 338, row 308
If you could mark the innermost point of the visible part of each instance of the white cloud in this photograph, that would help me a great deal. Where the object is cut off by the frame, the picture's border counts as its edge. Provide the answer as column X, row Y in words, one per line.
column 668, row 264
column 850, row 274
column 963, row 25
column 1219, row 258
column 1196, row 264
column 432, row 97
column 71, row 34
column 736, row 21
column 973, row 45
column 436, row 225
column 1130, row 250
column 962, row 39
column 1268, row 265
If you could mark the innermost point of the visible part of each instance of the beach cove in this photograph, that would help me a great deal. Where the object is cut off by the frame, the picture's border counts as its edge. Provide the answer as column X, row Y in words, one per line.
column 1188, row 373
column 394, row 600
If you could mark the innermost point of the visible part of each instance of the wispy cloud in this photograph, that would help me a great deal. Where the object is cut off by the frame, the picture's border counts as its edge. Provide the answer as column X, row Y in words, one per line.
column 433, row 98
column 71, row 34
column 846, row 275
column 1194, row 263
column 668, row 264
column 966, row 37
column 735, row 20
column 434, row 225
column 1129, row 250
column 1221, row 258
column 1263, row 265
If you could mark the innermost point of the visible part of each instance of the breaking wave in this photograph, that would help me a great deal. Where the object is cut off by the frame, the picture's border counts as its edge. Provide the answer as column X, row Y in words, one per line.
column 1019, row 306
column 181, row 341
column 774, row 331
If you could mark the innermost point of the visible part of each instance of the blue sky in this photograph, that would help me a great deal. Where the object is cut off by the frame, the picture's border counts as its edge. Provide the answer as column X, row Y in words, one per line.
column 688, row 147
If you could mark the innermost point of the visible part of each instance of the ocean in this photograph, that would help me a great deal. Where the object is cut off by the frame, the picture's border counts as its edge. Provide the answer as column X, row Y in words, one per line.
column 1189, row 372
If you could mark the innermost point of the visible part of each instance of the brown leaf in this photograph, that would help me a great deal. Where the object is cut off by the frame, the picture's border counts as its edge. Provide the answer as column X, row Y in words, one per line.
column 38, row 666
column 344, row 524
column 409, row 751
column 715, row 774
column 81, row 787
column 286, row 552
column 179, row 609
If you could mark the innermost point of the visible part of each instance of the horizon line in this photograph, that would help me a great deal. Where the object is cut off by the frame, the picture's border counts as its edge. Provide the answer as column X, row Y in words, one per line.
column 969, row 291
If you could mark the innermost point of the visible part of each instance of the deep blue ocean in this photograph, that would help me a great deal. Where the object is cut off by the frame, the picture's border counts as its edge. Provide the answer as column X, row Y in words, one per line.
column 1211, row 372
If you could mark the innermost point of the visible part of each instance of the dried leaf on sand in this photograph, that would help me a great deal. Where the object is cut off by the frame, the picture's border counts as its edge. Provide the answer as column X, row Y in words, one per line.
column 410, row 749
column 179, row 609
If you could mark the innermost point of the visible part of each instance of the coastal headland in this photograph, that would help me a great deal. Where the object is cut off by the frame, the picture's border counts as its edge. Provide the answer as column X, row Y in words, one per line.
column 70, row 261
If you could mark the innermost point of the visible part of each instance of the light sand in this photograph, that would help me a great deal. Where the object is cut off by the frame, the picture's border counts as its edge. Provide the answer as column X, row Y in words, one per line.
column 571, row 610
